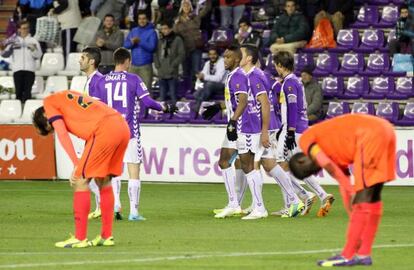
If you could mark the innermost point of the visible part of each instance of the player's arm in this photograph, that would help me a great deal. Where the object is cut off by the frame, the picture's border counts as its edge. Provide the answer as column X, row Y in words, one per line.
column 336, row 172
column 292, row 108
column 63, row 135
column 241, row 106
column 150, row 103
column 265, row 110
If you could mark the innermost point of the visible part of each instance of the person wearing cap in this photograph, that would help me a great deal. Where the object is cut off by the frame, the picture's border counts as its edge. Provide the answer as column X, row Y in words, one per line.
column 313, row 93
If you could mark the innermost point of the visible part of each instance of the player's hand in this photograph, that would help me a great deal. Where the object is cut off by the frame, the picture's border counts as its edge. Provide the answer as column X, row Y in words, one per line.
column 232, row 130
column 170, row 108
column 211, row 111
column 290, row 140
column 347, row 198
column 264, row 138
column 73, row 178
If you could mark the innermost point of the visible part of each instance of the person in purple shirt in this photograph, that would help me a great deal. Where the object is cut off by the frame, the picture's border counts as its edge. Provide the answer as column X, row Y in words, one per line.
column 294, row 122
column 122, row 91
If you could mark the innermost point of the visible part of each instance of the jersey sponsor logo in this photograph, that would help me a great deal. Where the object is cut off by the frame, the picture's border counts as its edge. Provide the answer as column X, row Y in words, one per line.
column 143, row 86
column 291, row 98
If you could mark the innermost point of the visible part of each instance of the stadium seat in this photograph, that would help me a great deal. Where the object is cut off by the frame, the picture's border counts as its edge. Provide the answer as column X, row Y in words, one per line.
column 378, row 2
column 29, row 107
column 388, row 110
column 6, row 82
column 389, row 16
column 197, row 118
column 367, row 15
column 54, row 84
column 51, row 64
column 222, row 38
column 355, row 87
column 72, row 65
column 149, row 115
column 183, row 113
column 78, row 83
column 377, row 64
column 269, row 66
column 381, row 87
column 408, row 115
column 347, row 40
column 38, row 86
column 10, row 110
column 392, row 35
column 336, row 109
column 372, row 39
column 302, row 60
column 326, row 63
column 352, row 63
column 363, row 107
column 403, row 88
column 332, row 87
column 398, row 2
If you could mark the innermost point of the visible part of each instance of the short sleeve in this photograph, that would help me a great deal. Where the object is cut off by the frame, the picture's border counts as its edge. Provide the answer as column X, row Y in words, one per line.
column 52, row 110
column 141, row 88
column 238, row 84
column 258, row 85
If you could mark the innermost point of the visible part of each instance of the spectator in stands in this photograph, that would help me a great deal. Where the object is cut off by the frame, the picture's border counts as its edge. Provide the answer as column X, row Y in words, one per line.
column 212, row 78
column 142, row 40
column 313, row 93
column 339, row 12
column 69, row 16
column 108, row 39
column 84, row 6
column 291, row 31
column 246, row 34
column 402, row 43
column 100, row 8
column 33, row 9
column 188, row 26
column 168, row 58
column 231, row 12
column 168, row 9
column 24, row 50
column 133, row 6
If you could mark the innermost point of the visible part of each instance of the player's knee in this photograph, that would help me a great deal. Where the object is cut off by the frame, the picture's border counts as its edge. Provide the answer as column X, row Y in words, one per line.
column 223, row 163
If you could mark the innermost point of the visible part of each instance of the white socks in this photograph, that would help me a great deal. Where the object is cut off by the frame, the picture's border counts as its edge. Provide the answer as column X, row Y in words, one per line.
column 116, row 187
column 95, row 189
column 134, row 190
column 229, row 178
column 315, row 187
column 241, row 185
column 282, row 178
column 299, row 190
column 255, row 181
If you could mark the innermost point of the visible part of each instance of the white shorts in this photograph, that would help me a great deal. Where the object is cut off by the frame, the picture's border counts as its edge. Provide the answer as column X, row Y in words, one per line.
column 267, row 153
column 133, row 153
column 282, row 153
column 228, row 144
column 248, row 142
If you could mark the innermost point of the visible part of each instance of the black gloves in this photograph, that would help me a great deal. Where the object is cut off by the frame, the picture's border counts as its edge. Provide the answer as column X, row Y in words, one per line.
column 170, row 108
column 232, row 130
column 290, row 141
column 211, row 111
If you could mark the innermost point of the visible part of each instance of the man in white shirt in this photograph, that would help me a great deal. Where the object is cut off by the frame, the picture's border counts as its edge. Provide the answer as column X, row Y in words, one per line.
column 211, row 79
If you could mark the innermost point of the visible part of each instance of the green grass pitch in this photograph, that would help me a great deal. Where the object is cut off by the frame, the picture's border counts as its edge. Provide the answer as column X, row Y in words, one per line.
column 181, row 233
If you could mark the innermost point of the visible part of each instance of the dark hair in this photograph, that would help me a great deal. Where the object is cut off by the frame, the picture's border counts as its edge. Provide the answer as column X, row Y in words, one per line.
column 121, row 55
column 213, row 48
column 142, row 12
column 109, row 15
column 307, row 69
column 294, row 2
column 93, row 53
column 40, row 121
column 403, row 6
column 285, row 59
column 245, row 20
column 235, row 48
column 168, row 23
column 302, row 166
column 21, row 23
column 252, row 51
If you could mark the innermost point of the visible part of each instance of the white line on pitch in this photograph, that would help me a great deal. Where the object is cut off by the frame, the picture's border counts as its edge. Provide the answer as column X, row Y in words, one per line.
column 188, row 257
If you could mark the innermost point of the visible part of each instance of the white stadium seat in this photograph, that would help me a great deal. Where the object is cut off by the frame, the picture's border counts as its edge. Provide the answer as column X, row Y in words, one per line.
column 72, row 65
column 54, row 84
column 6, row 82
column 78, row 83
column 10, row 110
column 51, row 64
column 29, row 107
column 38, row 86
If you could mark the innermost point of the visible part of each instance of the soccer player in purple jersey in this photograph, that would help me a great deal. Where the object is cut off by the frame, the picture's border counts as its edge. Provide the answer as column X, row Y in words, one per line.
column 294, row 123
column 88, row 63
column 122, row 91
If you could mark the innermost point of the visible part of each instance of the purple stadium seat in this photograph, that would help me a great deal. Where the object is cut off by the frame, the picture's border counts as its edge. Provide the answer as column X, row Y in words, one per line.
column 336, row 109
column 222, row 37
column 269, row 66
column 392, row 35
column 371, row 40
column 182, row 115
column 377, row 64
column 302, row 60
column 196, row 117
column 378, row 2
column 408, row 116
column 347, row 40
column 326, row 63
column 363, row 107
column 352, row 63
column 388, row 110
column 389, row 17
column 367, row 15
column 399, row 2
column 332, row 87
column 403, row 88
column 381, row 87
column 355, row 87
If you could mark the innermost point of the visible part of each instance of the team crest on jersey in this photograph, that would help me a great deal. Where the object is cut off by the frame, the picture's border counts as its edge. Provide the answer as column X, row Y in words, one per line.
column 290, row 88
column 258, row 86
column 237, row 85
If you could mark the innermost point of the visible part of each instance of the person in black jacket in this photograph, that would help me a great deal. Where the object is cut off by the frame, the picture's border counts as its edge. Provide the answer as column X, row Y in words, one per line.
column 247, row 35
column 339, row 12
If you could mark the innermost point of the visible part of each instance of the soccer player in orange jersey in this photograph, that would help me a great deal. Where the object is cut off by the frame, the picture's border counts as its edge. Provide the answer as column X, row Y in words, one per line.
column 93, row 121
column 367, row 143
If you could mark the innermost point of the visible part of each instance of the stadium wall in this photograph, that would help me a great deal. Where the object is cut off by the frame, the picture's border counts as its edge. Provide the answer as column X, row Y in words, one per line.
column 190, row 154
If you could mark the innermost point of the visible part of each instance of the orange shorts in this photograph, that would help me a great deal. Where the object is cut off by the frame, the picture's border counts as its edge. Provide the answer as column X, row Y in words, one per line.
column 104, row 151
column 375, row 160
